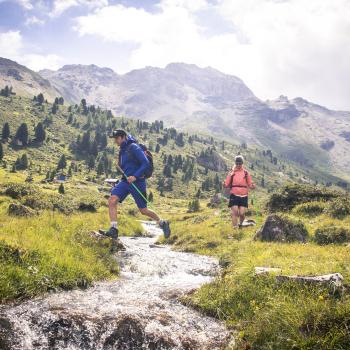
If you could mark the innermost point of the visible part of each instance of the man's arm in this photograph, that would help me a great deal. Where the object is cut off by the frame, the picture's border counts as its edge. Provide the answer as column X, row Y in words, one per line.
column 141, row 157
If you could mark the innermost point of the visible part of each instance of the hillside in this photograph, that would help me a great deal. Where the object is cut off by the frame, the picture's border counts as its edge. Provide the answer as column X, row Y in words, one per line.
column 24, row 81
column 184, row 163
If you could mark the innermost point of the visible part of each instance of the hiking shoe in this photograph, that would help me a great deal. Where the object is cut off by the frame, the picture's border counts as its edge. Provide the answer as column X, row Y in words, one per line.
column 112, row 232
column 165, row 226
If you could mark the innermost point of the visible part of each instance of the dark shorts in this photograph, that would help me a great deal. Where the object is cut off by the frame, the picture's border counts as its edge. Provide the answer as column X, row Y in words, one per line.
column 123, row 189
column 238, row 201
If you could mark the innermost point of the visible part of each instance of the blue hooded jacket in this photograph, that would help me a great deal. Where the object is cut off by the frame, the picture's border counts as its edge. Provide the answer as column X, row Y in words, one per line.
column 132, row 159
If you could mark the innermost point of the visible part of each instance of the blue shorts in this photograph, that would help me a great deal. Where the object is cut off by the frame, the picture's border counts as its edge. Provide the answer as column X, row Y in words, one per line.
column 123, row 188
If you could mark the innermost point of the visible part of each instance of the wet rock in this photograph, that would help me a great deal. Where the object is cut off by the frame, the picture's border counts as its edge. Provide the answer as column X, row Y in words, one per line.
column 66, row 332
column 20, row 210
column 278, row 228
column 6, row 334
column 128, row 335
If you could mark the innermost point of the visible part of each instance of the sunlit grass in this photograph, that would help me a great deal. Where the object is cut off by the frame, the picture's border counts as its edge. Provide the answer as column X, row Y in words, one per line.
column 54, row 250
column 263, row 313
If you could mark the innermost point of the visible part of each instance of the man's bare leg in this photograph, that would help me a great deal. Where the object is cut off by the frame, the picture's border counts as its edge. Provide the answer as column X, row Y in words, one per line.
column 150, row 213
column 112, row 205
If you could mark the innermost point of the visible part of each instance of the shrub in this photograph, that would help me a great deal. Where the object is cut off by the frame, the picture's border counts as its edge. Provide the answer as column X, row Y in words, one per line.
column 339, row 208
column 332, row 234
column 293, row 194
column 17, row 190
column 310, row 209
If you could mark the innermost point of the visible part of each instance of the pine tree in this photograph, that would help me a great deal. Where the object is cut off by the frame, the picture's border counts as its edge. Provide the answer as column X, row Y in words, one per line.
column 100, row 167
column 157, row 148
column 22, row 163
column 54, row 108
column 61, row 189
column 103, row 141
column 1, row 152
column 61, row 101
column 94, row 149
column 6, row 131
column 40, row 133
column 22, row 134
column 40, row 98
column 91, row 162
column 167, row 171
column 62, row 163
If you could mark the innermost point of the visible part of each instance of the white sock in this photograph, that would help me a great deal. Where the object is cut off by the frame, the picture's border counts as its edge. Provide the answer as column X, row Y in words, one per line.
column 114, row 224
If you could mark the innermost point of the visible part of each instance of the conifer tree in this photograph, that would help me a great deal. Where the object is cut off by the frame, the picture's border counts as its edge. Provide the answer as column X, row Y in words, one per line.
column 62, row 163
column 1, row 152
column 6, row 131
column 40, row 99
column 40, row 133
column 22, row 134
column 61, row 189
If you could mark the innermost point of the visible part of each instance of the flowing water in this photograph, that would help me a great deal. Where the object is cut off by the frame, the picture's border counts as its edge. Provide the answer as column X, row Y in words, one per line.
column 138, row 311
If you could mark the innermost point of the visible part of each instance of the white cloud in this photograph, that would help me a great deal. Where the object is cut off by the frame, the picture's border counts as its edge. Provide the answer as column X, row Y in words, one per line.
column 26, row 4
column 10, row 43
column 60, row 6
column 33, row 20
column 294, row 47
column 12, row 47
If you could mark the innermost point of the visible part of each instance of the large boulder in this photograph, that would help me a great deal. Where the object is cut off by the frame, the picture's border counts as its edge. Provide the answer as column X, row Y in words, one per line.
column 279, row 228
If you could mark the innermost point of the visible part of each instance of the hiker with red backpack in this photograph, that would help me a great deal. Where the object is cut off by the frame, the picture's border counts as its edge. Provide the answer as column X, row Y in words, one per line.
column 136, row 164
column 238, row 182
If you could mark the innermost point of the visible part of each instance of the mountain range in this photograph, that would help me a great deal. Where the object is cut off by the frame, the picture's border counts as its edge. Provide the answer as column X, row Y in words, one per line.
column 203, row 100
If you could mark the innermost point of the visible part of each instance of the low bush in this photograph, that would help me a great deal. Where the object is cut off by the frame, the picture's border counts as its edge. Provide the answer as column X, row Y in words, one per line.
column 293, row 194
column 339, row 208
column 332, row 234
column 310, row 208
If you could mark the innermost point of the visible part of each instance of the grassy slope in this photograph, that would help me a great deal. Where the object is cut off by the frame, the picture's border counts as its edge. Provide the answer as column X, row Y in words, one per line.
column 263, row 314
column 53, row 250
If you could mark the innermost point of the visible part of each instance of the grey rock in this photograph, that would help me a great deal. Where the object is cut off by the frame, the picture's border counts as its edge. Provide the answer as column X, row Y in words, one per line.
column 278, row 228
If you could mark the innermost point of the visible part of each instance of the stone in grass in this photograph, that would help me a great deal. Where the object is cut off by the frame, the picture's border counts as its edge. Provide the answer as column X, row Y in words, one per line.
column 259, row 270
column 279, row 228
column 333, row 279
column 20, row 210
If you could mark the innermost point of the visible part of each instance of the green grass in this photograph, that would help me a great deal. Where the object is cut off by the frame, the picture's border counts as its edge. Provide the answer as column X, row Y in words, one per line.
column 262, row 313
column 54, row 250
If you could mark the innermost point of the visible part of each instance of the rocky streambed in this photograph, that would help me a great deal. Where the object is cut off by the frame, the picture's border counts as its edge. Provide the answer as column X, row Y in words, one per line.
column 138, row 311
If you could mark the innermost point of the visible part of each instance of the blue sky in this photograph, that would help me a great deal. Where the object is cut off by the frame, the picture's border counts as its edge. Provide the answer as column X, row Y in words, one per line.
column 290, row 47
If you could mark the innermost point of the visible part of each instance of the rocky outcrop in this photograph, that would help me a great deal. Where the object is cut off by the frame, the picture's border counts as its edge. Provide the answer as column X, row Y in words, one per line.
column 212, row 160
column 279, row 228
column 20, row 210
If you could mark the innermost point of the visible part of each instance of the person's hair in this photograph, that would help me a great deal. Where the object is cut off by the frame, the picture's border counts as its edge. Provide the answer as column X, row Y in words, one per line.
column 239, row 159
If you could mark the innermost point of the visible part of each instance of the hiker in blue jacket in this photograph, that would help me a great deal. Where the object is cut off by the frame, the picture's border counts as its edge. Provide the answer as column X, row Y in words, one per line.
column 134, row 163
